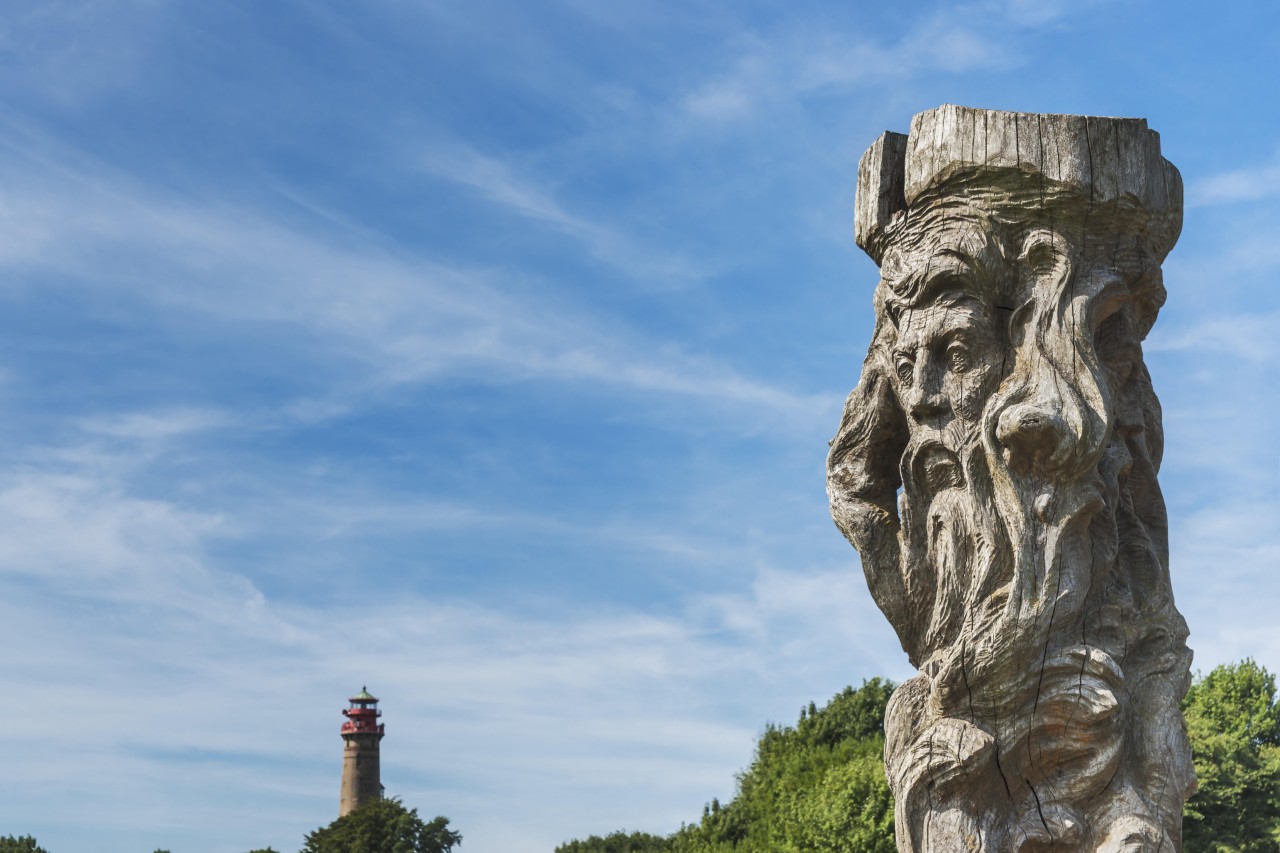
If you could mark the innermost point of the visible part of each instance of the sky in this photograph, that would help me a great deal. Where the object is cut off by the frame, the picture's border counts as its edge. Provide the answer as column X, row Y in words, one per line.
column 486, row 353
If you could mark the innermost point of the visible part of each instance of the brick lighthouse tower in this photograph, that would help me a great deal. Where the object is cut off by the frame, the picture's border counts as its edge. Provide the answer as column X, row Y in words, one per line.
column 361, row 782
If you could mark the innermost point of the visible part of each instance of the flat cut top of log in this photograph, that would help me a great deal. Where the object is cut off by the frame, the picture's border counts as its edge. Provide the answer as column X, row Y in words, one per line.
column 1105, row 159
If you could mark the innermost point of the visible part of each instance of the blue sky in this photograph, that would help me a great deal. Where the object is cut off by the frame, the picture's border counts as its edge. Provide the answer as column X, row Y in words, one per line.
column 486, row 353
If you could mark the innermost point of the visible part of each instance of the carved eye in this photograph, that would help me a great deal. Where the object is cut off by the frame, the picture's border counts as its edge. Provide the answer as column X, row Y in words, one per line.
column 905, row 368
column 958, row 358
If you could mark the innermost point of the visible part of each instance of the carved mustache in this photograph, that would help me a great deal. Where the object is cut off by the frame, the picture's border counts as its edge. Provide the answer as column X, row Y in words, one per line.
column 932, row 465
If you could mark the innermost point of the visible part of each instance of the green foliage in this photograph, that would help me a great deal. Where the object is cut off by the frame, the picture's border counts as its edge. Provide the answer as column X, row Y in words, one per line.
column 850, row 811
column 816, row 788
column 383, row 826
column 264, row 850
column 617, row 842
column 819, row 786
column 1234, row 725
column 20, row 844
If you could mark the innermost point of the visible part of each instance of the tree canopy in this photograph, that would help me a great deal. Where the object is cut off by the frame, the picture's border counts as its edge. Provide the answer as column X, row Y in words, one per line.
column 20, row 844
column 383, row 826
column 1234, row 725
column 618, row 842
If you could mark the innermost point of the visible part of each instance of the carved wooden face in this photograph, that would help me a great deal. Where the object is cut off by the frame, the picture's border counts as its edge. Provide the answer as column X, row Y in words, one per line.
column 997, row 407
column 946, row 362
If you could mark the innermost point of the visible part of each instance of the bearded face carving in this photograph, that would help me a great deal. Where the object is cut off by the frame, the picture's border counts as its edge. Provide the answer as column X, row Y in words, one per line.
column 996, row 469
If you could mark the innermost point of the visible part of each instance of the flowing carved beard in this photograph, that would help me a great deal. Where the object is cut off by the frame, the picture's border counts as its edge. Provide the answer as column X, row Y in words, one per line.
column 991, row 606
column 951, row 530
column 1042, row 708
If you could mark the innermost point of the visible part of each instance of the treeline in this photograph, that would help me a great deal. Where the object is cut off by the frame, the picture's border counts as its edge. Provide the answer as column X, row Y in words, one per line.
column 819, row 786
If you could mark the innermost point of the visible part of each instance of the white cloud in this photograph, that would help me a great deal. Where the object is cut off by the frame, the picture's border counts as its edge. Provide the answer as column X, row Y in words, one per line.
column 1250, row 337
column 1225, row 557
column 1235, row 186
column 158, row 425
column 1033, row 13
column 720, row 100
column 812, row 59
column 502, row 184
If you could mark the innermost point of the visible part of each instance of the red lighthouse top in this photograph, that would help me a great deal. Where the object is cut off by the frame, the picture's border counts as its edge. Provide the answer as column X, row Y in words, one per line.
column 363, row 714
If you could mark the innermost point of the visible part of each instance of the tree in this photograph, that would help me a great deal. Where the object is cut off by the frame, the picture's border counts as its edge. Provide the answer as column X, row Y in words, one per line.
column 819, row 786
column 383, row 826
column 850, row 810
column 617, row 842
column 20, row 844
column 1234, row 725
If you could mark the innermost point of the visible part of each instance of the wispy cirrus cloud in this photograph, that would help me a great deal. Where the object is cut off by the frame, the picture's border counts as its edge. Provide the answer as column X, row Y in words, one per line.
column 1225, row 551
column 1253, row 183
column 159, row 424
column 1250, row 337
column 838, row 56
column 504, row 184
column 332, row 293
column 815, row 60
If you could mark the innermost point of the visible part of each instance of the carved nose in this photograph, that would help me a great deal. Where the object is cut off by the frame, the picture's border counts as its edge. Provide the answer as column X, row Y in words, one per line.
column 925, row 406
column 1031, row 435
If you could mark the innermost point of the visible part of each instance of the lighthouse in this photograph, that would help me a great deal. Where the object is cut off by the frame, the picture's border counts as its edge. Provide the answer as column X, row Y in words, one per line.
column 361, row 733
